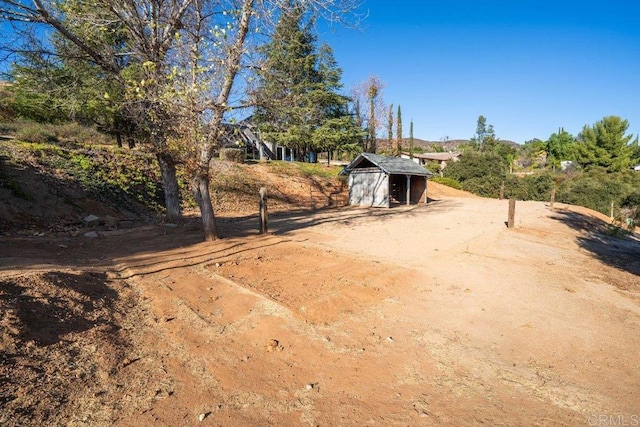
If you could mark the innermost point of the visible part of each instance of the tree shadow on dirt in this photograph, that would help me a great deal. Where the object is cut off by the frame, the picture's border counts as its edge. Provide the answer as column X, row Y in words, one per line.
column 603, row 241
column 283, row 223
column 45, row 307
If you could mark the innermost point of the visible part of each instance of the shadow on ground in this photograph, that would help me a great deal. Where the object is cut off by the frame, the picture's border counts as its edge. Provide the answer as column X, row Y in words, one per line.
column 607, row 243
column 48, row 306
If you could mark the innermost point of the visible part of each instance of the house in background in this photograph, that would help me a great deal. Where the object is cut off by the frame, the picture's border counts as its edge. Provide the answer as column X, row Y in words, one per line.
column 381, row 181
column 424, row 158
column 245, row 135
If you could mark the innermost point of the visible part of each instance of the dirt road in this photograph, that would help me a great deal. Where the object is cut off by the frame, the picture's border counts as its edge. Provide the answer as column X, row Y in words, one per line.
column 429, row 315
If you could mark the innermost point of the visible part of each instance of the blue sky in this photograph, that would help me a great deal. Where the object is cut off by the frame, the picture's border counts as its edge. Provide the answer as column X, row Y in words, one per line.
column 529, row 67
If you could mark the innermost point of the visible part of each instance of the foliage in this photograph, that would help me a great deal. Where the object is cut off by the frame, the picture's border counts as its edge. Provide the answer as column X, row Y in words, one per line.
column 397, row 143
column 476, row 165
column 65, row 133
column 479, row 173
column 37, row 132
column 605, row 144
column 106, row 173
column 298, row 104
column 529, row 187
column 631, row 204
column 485, row 136
column 597, row 189
column 560, row 146
column 449, row 182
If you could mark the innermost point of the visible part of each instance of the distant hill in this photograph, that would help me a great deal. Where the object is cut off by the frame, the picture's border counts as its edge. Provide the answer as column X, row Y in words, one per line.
column 436, row 146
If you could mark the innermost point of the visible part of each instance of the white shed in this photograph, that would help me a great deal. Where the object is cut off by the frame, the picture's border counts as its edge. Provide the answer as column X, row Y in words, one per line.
column 381, row 181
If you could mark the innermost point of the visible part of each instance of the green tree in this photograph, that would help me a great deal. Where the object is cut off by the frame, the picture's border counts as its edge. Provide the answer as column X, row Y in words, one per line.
column 480, row 173
column 391, row 142
column 560, row 146
column 398, row 142
column 533, row 153
column 605, row 144
column 484, row 135
column 411, row 139
column 297, row 96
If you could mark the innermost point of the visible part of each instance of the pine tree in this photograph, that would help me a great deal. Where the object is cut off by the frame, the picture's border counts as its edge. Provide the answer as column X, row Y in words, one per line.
column 605, row 144
column 297, row 99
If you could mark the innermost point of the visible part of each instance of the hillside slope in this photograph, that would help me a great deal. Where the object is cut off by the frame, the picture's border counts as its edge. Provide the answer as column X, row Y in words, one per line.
column 51, row 187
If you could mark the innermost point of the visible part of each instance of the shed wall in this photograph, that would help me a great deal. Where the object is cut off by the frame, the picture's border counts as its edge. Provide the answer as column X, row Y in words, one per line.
column 369, row 189
column 418, row 189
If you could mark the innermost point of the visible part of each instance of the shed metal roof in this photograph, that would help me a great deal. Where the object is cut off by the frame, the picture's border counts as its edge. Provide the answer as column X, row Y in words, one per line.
column 390, row 165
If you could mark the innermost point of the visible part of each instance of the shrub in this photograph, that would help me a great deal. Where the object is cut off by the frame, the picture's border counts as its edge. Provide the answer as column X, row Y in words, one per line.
column 488, row 186
column 36, row 133
column 449, row 182
column 74, row 132
column 476, row 165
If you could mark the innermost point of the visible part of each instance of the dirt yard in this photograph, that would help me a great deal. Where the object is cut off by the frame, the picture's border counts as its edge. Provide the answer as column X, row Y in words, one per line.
column 428, row 315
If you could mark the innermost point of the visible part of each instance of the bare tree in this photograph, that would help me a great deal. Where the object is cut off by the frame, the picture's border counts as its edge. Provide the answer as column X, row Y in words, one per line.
column 369, row 92
column 184, row 58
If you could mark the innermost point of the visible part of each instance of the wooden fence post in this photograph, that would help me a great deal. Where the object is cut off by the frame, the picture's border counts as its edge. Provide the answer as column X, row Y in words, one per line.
column 512, row 213
column 502, row 190
column 263, row 211
column 553, row 197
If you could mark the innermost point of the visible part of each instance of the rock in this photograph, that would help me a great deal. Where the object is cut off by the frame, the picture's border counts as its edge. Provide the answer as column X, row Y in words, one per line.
column 91, row 234
column 273, row 345
column 91, row 220
column 203, row 415
column 110, row 221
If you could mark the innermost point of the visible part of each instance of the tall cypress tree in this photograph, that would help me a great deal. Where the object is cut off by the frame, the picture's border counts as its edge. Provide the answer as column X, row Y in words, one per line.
column 391, row 142
column 411, row 139
column 398, row 146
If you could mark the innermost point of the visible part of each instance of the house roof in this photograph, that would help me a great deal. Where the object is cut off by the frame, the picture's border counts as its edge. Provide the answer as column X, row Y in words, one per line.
column 389, row 165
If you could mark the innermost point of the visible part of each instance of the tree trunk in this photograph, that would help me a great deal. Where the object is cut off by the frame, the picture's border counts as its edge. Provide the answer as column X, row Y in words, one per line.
column 170, row 187
column 119, row 139
column 203, row 197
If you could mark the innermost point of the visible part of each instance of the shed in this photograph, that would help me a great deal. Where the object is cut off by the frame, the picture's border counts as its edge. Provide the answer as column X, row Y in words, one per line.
column 381, row 181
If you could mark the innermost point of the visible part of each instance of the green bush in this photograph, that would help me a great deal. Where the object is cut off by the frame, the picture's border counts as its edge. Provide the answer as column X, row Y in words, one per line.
column 596, row 190
column 74, row 132
column 529, row 187
column 36, row 132
column 476, row 165
column 449, row 182
column 488, row 186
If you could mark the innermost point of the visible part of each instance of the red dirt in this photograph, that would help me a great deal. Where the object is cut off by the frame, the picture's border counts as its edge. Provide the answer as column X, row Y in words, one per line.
column 428, row 315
